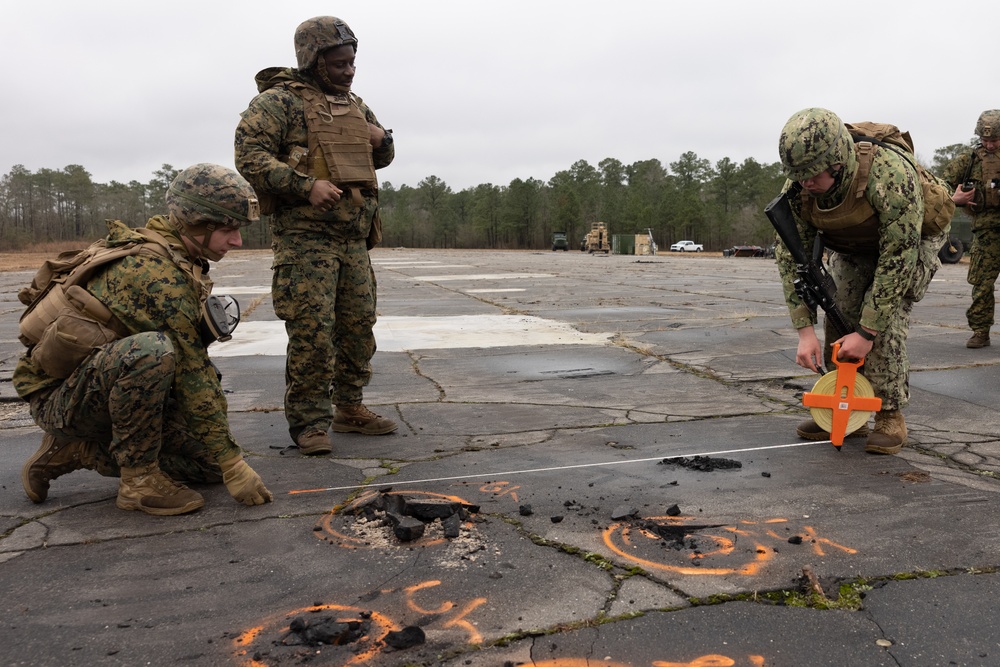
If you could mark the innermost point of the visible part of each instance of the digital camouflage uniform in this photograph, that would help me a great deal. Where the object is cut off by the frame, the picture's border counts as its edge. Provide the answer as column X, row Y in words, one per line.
column 116, row 398
column 984, row 256
column 323, row 285
column 877, row 283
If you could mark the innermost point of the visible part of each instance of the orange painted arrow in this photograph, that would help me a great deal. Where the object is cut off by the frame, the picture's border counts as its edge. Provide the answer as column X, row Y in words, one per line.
column 842, row 401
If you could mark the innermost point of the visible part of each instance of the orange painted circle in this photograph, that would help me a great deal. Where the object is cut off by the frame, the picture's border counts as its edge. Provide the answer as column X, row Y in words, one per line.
column 329, row 533
column 370, row 645
column 643, row 548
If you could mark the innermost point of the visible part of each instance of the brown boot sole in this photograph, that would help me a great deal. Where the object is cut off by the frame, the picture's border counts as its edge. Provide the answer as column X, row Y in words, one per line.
column 823, row 435
column 136, row 504
column 314, row 443
column 41, row 494
column 879, row 449
column 350, row 428
column 315, row 450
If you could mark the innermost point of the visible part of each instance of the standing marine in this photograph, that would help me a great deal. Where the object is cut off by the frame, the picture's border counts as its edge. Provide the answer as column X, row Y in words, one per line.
column 978, row 169
column 310, row 148
column 865, row 203
column 147, row 406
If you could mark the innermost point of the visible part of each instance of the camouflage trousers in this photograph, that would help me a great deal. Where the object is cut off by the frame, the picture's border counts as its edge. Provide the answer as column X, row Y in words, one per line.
column 887, row 366
column 120, row 399
column 984, row 268
column 328, row 306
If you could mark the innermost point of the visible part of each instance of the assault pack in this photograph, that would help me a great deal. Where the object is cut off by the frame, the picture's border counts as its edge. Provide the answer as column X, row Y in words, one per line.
column 64, row 322
column 938, row 206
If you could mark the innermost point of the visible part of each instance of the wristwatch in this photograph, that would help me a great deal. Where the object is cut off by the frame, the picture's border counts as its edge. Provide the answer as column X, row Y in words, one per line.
column 386, row 140
column 864, row 333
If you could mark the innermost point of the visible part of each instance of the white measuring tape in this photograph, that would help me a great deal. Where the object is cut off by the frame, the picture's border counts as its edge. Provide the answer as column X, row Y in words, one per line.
column 554, row 468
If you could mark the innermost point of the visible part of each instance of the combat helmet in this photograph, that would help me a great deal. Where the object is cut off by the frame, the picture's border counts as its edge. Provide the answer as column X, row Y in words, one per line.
column 988, row 125
column 813, row 140
column 206, row 196
column 316, row 35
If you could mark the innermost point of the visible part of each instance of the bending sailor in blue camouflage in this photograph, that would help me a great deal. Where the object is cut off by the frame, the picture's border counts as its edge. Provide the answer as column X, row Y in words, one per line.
column 869, row 213
column 975, row 175
column 148, row 407
column 310, row 148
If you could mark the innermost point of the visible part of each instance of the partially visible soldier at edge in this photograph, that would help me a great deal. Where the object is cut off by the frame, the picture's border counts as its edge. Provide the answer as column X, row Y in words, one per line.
column 149, row 408
column 877, row 258
column 978, row 169
column 310, row 147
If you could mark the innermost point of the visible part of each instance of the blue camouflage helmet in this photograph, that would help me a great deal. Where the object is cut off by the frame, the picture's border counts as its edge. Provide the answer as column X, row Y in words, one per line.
column 316, row 35
column 812, row 141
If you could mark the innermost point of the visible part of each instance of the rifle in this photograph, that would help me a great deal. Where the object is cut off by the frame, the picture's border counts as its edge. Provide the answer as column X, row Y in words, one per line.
column 813, row 285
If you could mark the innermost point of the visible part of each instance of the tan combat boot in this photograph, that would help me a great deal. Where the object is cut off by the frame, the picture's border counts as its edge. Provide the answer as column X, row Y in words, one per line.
column 359, row 419
column 979, row 339
column 314, row 441
column 810, row 430
column 150, row 490
column 56, row 456
column 889, row 434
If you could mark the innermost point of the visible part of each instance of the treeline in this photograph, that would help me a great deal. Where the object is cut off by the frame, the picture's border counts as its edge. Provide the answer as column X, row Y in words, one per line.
column 52, row 206
column 717, row 205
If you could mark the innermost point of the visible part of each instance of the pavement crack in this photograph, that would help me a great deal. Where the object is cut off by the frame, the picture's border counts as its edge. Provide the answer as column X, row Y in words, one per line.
column 415, row 363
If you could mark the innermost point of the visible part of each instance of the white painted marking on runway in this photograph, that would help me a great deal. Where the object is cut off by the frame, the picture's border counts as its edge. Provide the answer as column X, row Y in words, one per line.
column 493, row 291
column 483, row 276
column 397, row 334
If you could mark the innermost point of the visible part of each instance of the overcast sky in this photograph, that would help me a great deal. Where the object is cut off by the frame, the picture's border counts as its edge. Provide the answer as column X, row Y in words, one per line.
column 486, row 91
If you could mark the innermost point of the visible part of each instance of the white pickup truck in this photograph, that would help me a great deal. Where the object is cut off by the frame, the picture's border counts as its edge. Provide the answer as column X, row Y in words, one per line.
column 687, row 246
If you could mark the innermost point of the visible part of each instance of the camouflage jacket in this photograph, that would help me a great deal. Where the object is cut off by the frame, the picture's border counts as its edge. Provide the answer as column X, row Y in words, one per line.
column 894, row 193
column 153, row 293
column 955, row 173
column 273, row 123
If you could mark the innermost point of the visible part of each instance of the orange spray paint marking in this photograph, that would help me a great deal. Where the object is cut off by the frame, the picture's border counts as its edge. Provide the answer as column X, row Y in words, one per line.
column 713, row 660
column 381, row 626
column 843, row 401
column 325, row 529
column 444, row 607
column 412, row 604
column 620, row 532
column 500, row 489
column 576, row 662
column 459, row 620
column 809, row 535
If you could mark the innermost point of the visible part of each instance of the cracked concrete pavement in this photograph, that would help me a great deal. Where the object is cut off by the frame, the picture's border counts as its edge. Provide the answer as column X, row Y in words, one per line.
column 545, row 390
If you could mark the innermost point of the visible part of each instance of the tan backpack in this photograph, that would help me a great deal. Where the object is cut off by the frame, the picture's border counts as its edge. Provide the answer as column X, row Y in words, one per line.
column 63, row 322
column 938, row 206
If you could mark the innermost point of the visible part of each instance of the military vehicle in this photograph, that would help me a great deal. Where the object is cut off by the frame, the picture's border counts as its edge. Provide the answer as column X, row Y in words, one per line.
column 959, row 238
column 597, row 239
column 559, row 241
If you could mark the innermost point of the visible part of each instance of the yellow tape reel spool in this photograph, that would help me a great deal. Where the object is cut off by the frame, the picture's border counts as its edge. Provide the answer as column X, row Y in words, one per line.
column 824, row 416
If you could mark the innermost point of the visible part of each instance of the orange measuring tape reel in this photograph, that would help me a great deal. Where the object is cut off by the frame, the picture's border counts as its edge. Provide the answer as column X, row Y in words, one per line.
column 842, row 401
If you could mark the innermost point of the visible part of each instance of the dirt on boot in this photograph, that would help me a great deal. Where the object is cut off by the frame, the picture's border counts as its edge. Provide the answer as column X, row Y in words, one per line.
column 55, row 457
column 150, row 490
column 359, row 419
column 314, row 442
column 889, row 434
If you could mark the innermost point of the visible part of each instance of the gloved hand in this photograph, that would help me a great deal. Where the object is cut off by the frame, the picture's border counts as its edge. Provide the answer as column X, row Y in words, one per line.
column 243, row 483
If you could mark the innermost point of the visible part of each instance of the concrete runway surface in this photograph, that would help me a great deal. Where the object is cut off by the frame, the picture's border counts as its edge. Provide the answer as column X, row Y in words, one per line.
column 539, row 396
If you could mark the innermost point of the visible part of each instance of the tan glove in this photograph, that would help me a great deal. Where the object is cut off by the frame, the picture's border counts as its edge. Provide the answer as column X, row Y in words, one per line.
column 243, row 483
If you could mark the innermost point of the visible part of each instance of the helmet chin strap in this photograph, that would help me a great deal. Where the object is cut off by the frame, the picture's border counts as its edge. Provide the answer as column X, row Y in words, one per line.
column 200, row 245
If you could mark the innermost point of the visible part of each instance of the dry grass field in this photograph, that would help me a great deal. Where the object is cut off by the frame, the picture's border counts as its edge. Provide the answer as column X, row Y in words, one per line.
column 34, row 255
column 23, row 261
